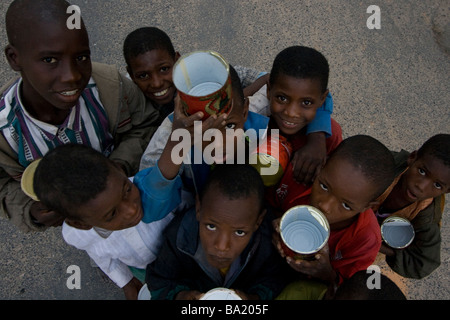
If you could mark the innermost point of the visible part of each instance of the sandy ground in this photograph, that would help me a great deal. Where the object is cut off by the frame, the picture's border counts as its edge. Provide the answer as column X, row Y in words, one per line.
column 390, row 83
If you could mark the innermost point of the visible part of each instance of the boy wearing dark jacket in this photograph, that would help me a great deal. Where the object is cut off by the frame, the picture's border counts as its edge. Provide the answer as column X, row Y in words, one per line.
column 418, row 194
column 226, row 241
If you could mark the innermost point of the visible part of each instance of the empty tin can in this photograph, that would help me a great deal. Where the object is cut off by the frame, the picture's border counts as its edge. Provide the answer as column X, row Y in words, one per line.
column 203, row 81
column 397, row 232
column 304, row 231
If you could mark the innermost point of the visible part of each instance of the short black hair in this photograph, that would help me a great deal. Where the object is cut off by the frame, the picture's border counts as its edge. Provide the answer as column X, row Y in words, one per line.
column 69, row 176
column 146, row 39
column 236, row 181
column 25, row 15
column 372, row 157
column 302, row 63
column 437, row 146
column 236, row 85
column 356, row 288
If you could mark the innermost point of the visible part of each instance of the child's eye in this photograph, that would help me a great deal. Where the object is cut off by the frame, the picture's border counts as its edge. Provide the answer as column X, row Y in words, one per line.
column 346, row 206
column 82, row 58
column 230, row 126
column 324, row 187
column 437, row 186
column 142, row 76
column 210, row 227
column 165, row 69
column 307, row 103
column 421, row 172
column 49, row 60
column 240, row 233
column 281, row 98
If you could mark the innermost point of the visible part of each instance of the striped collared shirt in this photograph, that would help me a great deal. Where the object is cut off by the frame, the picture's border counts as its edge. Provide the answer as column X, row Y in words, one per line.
column 31, row 139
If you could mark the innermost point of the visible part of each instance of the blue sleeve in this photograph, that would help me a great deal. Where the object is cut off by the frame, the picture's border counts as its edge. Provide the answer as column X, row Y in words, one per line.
column 322, row 120
column 159, row 196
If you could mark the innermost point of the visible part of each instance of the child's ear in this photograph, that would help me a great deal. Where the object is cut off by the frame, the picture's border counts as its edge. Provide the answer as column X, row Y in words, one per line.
column 412, row 157
column 78, row 224
column 260, row 218
column 177, row 56
column 324, row 96
column 13, row 57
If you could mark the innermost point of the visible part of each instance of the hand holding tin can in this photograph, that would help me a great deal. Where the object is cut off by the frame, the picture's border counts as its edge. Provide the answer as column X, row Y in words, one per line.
column 203, row 81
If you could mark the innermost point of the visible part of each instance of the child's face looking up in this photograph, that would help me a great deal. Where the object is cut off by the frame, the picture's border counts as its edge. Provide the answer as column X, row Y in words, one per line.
column 152, row 73
column 117, row 207
column 427, row 177
column 55, row 66
column 341, row 191
column 294, row 102
column 226, row 226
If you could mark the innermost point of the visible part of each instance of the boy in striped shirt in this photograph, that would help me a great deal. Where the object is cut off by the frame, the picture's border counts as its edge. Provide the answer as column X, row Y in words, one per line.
column 61, row 97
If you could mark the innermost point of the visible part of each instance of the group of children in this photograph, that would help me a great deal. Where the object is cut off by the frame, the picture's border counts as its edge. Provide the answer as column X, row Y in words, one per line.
column 88, row 148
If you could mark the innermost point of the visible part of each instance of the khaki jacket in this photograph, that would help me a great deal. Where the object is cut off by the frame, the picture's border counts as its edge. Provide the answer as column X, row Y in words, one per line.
column 132, row 122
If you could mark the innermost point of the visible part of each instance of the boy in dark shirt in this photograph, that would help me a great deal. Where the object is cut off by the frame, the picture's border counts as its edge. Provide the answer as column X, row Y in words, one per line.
column 225, row 241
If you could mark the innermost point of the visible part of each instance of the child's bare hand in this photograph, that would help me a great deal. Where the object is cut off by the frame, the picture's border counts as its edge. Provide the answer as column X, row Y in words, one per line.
column 44, row 216
column 180, row 119
column 132, row 288
column 319, row 268
column 309, row 160
column 183, row 121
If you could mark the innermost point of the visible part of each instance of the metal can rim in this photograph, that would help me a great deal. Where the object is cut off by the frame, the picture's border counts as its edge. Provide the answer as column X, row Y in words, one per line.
column 317, row 214
column 210, row 52
column 396, row 218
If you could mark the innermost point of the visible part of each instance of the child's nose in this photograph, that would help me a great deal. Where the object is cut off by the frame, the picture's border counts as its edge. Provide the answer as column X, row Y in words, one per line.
column 325, row 205
column 70, row 72
column 291, row 110
column 129, row 208
column 222, row 243
column 156, row 81
column 423, row 185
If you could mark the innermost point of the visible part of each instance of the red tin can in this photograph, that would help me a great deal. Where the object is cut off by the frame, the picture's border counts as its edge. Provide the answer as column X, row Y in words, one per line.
column 271, row 158
column 203, row 81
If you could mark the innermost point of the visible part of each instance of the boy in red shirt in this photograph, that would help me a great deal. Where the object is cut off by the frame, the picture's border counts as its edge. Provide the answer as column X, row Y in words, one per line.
column 356, row 174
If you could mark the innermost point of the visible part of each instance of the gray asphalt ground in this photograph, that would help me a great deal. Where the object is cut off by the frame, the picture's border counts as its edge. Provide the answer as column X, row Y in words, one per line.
column 391, row 83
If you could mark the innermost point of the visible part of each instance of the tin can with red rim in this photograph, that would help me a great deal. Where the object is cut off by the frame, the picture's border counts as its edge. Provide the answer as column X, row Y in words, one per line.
column 203, row 81
column 271, row 158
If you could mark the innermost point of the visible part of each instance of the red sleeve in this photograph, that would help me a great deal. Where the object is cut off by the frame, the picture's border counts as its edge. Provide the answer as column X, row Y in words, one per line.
column 358, row 247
